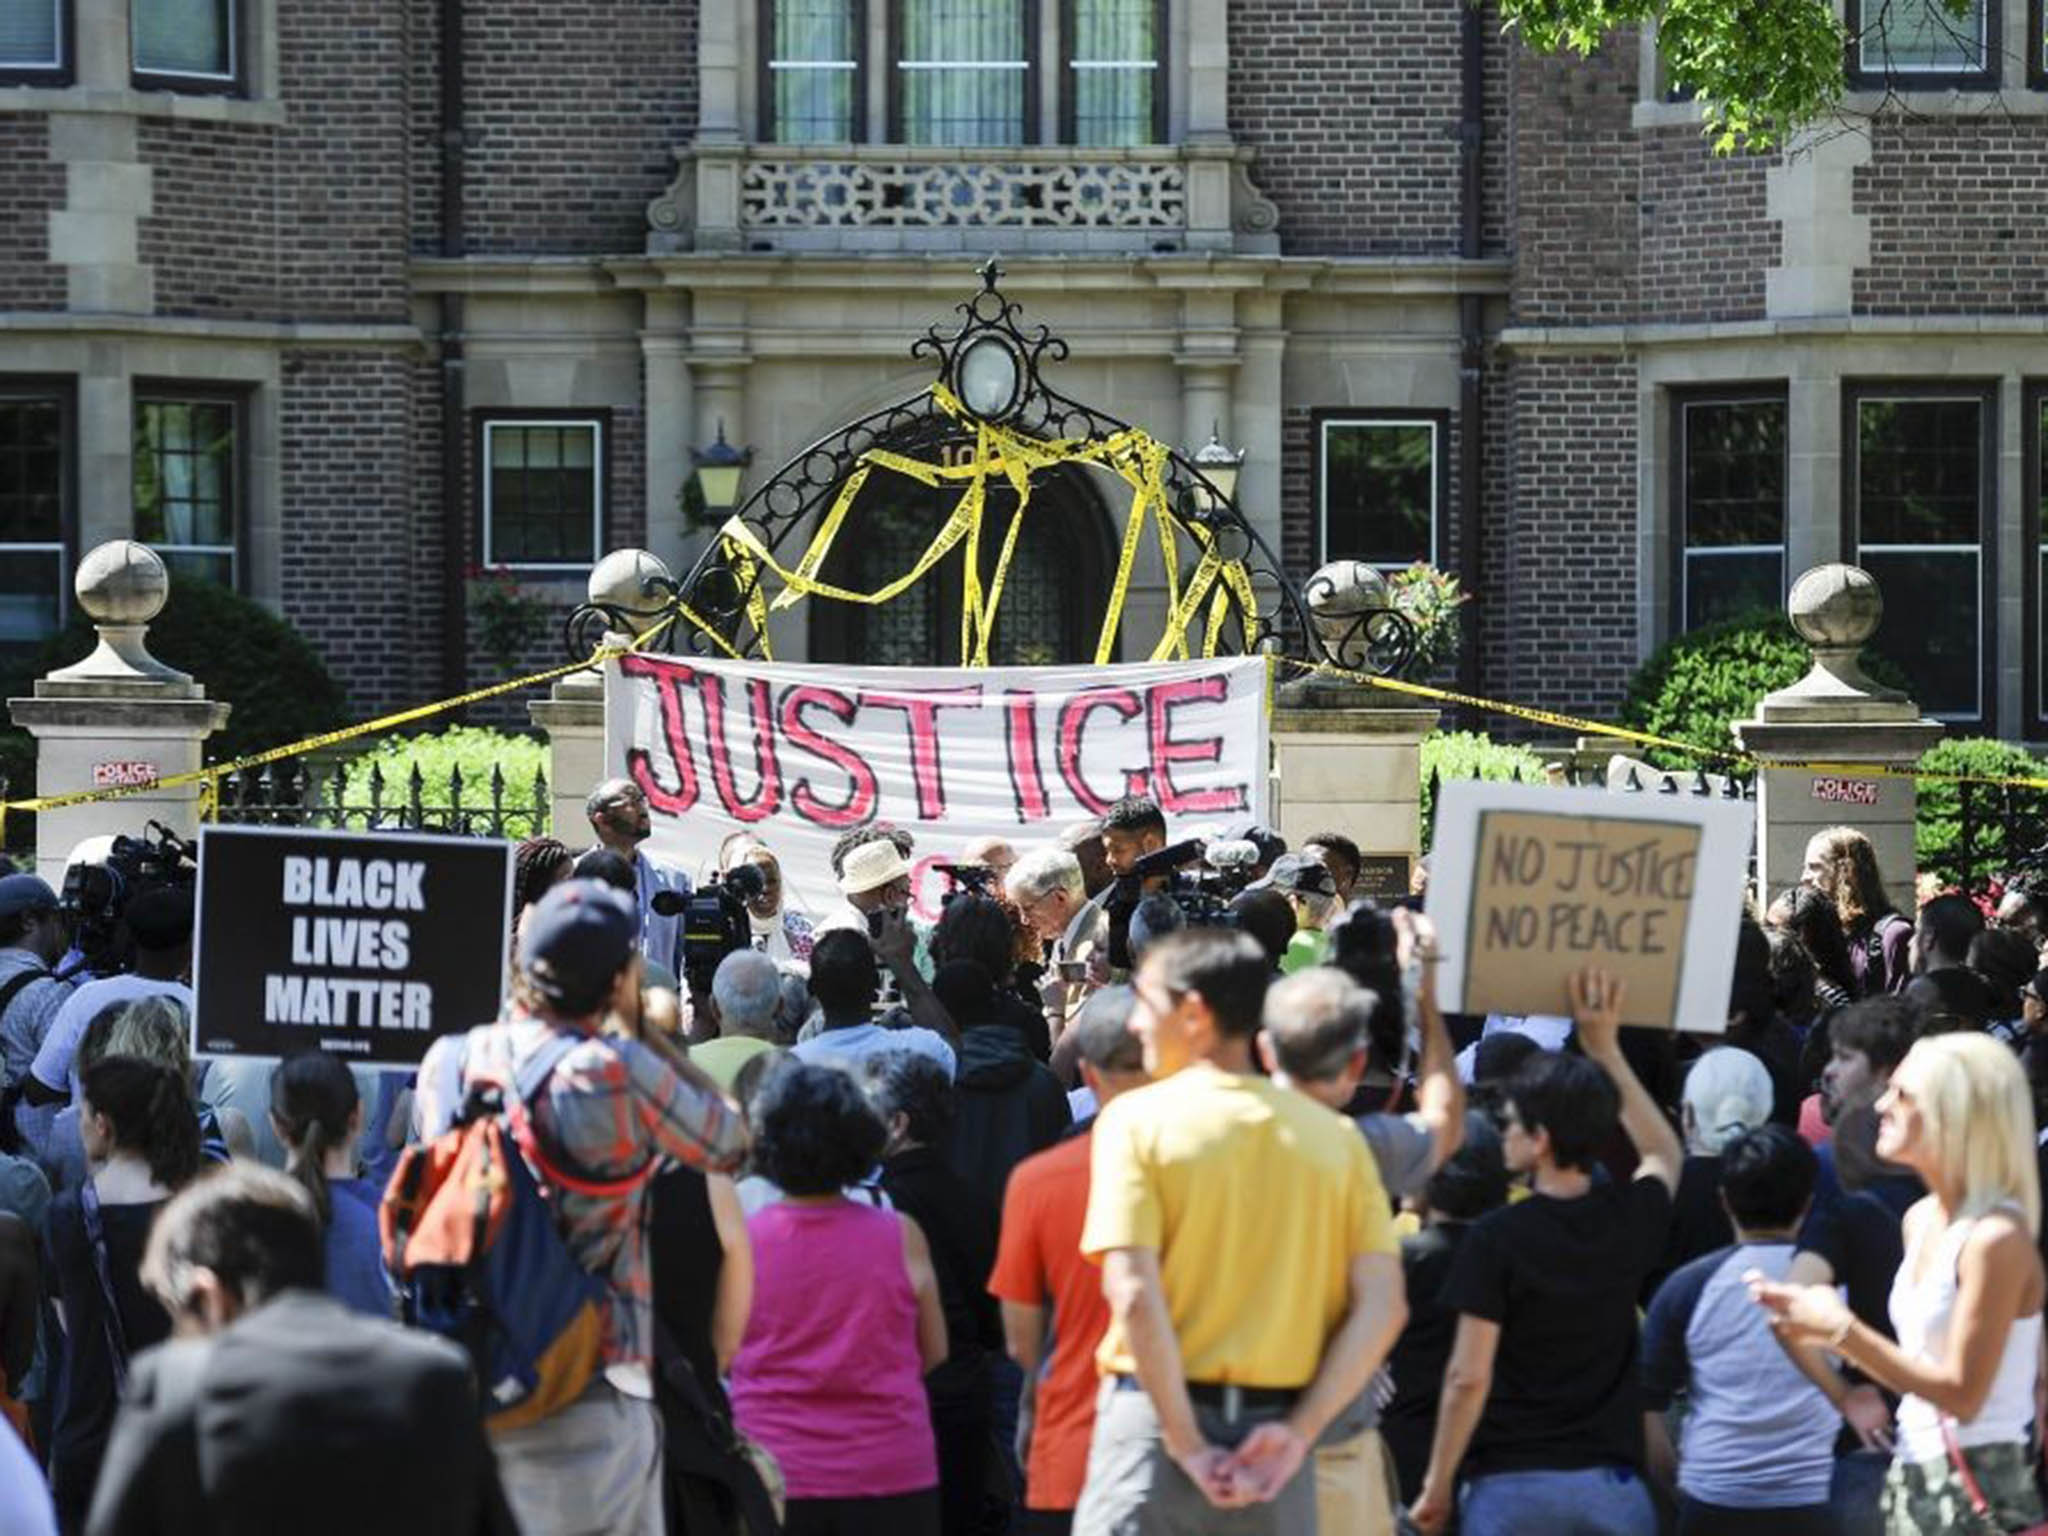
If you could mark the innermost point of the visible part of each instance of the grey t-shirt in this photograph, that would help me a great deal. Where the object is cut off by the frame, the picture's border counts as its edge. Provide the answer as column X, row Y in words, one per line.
column 1403, row 1148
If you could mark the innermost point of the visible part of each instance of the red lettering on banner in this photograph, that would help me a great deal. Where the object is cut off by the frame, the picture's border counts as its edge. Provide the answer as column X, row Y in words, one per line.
column 668, row 679
column 922, row 711
column 1160, row 702
column 923, row 874
column 859, row 805
column 1027, row 782
column 767, row 769
column 1074, row 722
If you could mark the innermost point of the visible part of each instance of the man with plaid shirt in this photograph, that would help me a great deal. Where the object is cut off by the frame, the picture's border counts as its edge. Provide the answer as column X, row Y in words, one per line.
column 615, row 1105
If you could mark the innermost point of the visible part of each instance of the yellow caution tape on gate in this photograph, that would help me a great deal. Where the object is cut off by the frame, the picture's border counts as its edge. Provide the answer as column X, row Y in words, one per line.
column 1135, row 457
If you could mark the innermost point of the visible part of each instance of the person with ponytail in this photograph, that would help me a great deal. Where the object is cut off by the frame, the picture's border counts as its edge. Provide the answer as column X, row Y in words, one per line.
column 142, row 1146
column 318, row 1115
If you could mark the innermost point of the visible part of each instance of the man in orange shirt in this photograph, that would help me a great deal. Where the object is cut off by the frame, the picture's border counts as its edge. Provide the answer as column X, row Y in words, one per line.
column 1039, row 1264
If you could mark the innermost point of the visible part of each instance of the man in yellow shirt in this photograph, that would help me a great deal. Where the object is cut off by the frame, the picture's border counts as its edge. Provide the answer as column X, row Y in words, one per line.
column 1248, row 1260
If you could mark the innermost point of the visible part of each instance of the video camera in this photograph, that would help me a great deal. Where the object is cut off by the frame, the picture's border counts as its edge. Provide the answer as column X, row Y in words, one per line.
column 715, row 921
column 96, row 892
column 968, row 880
column 1203, row 895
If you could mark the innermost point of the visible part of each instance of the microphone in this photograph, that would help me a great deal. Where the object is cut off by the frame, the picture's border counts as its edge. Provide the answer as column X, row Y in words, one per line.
column 1234, row 853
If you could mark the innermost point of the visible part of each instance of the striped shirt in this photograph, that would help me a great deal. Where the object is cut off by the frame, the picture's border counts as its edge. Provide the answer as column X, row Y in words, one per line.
column 610, row 1106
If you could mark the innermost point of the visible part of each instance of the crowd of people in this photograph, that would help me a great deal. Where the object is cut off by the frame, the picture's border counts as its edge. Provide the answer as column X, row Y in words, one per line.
column 1110, row 1201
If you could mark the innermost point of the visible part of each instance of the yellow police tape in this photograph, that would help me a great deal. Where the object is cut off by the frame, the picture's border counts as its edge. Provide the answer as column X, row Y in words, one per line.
column 1135, row 457
column 1727, row 755
column 208, row 779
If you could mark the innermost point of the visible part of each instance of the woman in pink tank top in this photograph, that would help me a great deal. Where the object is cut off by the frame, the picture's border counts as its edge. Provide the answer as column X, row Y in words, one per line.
column 845, row 1321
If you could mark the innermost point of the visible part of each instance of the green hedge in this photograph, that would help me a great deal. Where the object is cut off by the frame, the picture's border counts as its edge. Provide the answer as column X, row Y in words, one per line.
column 245, row 655
column 1469, row 755
column 1694, row 685
column 475, row 751
column 1938, row 829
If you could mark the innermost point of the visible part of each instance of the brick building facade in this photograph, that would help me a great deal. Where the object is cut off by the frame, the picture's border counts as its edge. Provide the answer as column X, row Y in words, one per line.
column 347, row 298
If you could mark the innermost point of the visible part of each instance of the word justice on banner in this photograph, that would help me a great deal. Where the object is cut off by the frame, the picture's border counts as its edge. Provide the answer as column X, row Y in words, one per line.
column 799, row 755
column 1531, row 883
column 368, row 947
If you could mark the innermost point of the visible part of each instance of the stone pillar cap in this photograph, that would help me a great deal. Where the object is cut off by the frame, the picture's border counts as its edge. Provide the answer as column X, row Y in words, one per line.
column 122, row 585
column 1836, row 608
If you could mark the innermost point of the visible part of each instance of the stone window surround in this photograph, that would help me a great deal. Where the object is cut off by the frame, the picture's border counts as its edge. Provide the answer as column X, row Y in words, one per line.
column 1323, row 418
column 102, row 78
column 104, row 378
column 2021, row 91
column 599, row 422
column 1196, row 65
column 1816, row 364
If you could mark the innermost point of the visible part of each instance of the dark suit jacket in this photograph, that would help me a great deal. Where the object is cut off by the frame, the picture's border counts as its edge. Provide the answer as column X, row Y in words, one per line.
column 300, row 1416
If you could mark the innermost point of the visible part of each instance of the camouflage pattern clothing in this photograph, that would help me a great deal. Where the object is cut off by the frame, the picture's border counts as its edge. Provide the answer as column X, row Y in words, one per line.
column 1924, row 1497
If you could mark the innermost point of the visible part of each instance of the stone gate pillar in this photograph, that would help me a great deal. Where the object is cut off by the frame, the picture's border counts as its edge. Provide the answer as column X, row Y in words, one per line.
column 119, row 717
column 1345, row 762
column 1835, row 715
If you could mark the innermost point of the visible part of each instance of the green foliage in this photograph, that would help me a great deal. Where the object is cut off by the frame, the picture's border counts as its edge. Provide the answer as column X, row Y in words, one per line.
column 1469, row 755
column 1761, row 68
column 1938, row 828
column 475, row 751
column 244, row 654
column 1429, row 599
column 1697, row 683
column 509, row 618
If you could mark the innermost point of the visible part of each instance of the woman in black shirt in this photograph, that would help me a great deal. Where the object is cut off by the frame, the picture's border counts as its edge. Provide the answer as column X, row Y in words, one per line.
column 142, row 1145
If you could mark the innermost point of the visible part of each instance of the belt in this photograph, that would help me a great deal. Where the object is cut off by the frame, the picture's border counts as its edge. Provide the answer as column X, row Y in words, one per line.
column 1227, row 1398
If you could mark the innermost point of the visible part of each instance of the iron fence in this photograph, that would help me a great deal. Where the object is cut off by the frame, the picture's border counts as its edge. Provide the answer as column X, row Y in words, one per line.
column 2001, row 830
column 290, row 795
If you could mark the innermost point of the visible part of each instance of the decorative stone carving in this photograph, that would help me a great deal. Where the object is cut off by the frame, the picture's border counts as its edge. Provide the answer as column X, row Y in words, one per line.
column 1251, row 211
column 1013, row 194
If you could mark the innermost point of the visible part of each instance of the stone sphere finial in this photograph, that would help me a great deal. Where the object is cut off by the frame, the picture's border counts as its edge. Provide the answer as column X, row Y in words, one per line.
column 1835, row 606
column 121, row 585
column 122, row 582
column 635, row 584
column 1339, row 597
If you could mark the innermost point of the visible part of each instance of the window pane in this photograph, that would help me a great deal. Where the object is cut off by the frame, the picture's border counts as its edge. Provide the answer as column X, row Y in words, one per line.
column 31, row 471
column 962, row 72
column 1379, row 491
column 1115, row 54
column 1734, row 473
column 30, row 581
column 813, row 70
column 543, row 493
column 184, row 37
column 184, row 473
column 28, row 34
column 1721, row 583
column 1934, row 643
column 216, row 566
column 1919, row 468
column 1919, row 36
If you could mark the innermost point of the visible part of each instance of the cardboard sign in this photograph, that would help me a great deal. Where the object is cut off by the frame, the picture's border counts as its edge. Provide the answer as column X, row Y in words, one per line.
column 1530, row 884
column 366, row 946
column 799, row 755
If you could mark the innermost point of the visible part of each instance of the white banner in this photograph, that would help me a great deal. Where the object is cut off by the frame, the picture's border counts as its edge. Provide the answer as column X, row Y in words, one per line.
column 799, row 755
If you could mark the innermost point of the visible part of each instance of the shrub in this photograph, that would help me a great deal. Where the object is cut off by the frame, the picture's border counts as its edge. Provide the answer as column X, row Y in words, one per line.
column 1938, row 822
column 1697, row 683
column 245, row 655
column 1430, row 600
column 1469, row 755
column 475, row 751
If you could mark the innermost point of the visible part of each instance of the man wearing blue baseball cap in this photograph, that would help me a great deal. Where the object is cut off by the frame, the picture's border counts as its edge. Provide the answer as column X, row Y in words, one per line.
column 607, row 1107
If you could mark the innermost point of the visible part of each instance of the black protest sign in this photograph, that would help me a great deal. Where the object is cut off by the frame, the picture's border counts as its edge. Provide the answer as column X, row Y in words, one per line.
column 369, row 947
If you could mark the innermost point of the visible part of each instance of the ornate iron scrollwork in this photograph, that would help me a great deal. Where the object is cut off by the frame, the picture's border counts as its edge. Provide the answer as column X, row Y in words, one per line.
column 994, row 365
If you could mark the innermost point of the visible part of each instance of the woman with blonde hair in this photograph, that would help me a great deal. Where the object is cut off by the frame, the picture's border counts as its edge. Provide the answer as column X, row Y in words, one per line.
column 1966, row 1305
column 1842, row 865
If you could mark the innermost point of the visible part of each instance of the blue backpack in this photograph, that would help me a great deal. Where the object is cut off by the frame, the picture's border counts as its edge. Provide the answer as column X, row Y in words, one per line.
column 472, row 1246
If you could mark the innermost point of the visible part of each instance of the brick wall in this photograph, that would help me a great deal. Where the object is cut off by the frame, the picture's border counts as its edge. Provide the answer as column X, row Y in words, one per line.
column 351, row 560
column 1574, row 168
column 33, row 186
column 1706, row 240
column 213, row 236
column 1958, row 219
column 576, row 108
column 1354, row 113
column 1560, row 552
